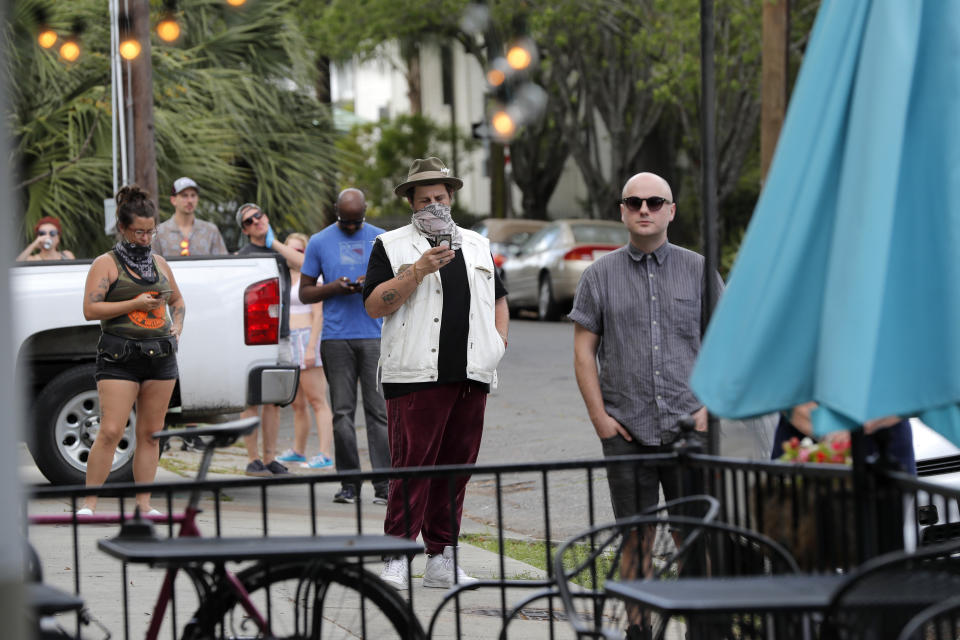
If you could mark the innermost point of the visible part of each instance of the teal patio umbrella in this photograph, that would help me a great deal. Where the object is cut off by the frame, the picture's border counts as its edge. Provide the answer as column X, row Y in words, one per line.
column 846, row 289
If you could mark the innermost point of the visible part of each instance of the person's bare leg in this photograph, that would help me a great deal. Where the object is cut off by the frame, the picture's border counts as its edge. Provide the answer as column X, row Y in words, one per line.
column 251, row 440
column 314, row 383
column 116, row 401
column 152, row 404
column 301, row 419
column 270, row 425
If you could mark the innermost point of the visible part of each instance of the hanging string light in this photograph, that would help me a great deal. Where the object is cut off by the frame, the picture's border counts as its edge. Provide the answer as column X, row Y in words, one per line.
column 46, row 36
column 70, row 49
column 168, row 29
column 129, row 45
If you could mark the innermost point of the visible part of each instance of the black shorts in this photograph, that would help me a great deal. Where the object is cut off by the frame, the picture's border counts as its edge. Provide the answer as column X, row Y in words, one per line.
column 635, row 487
column 136, row 360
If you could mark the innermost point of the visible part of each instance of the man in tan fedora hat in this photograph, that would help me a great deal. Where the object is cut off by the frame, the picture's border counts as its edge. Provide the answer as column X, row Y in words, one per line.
column 445, row 323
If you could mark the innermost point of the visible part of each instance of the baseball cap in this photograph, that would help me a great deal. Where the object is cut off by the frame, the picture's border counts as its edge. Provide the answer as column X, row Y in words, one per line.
column 183, row 183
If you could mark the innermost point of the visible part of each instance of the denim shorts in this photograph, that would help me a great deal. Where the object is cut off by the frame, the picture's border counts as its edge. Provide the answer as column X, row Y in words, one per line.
column 299, row 340
column 137, row 368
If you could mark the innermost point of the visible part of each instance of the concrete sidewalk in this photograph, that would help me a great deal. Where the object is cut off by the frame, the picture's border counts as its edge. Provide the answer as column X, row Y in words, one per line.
column 101, row 580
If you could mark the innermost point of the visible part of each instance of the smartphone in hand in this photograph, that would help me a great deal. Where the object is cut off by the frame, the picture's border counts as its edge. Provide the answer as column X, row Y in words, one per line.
column 444, row 240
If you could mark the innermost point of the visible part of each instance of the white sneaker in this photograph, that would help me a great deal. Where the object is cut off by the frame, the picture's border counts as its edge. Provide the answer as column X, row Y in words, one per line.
column 440, row 568
column 396, row 573
column 85, row 511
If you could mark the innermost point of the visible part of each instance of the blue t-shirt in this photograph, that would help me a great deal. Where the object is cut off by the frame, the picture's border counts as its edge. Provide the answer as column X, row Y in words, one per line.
column 334, row 254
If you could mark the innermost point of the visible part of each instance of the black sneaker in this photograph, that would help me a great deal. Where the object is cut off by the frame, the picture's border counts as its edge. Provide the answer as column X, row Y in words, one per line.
column 346, row 495
column 277, row 469
column 380, row 497
column 258, row 470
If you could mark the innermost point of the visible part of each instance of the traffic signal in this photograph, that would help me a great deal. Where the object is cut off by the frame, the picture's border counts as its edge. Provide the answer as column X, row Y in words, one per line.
column 515, row 99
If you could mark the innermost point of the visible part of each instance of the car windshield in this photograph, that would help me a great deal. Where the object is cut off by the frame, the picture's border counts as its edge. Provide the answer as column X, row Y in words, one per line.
column 599, row 234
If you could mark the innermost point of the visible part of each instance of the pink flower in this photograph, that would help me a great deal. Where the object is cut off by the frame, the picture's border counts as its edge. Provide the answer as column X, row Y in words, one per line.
column 803, row 455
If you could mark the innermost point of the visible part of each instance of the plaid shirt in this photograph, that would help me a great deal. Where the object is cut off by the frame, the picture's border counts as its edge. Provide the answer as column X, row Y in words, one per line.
column 646, row 310
column 204, row 240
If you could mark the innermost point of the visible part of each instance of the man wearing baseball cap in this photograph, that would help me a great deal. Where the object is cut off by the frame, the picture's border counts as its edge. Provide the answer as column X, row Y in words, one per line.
column 445, row 321
column 183, row 234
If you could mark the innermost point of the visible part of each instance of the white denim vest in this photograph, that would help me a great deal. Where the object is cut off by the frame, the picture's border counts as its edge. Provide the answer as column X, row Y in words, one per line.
column 410, row 342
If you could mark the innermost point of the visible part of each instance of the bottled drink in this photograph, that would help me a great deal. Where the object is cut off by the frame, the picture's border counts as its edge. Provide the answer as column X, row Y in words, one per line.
column 47, row 244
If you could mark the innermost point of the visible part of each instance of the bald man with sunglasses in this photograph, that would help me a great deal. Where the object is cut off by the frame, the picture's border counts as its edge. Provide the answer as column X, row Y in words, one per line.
column 637, row 312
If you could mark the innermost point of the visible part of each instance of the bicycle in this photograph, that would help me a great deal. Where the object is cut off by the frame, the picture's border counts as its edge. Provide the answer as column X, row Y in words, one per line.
column 303, row 571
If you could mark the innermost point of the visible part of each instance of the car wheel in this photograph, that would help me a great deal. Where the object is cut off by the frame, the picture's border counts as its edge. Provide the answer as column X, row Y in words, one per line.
column 67, row 419
column 547, row 307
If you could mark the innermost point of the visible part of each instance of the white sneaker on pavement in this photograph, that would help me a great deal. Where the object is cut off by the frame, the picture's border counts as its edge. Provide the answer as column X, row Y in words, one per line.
column 440, row 568
column 396, row 573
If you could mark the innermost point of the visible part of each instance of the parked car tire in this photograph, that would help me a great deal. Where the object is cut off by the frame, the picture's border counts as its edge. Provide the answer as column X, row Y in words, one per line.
column 66, row 422
column 547, row 307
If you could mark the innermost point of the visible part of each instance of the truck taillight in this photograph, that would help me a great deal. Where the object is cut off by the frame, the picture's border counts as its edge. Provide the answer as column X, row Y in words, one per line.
column 261, row 312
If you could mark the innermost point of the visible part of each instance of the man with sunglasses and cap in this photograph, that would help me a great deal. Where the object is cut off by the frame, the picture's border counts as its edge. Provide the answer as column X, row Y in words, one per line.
column 183, row 234
column 333, row 272
column 445, row 322
column 255, row 224
column 637, row 312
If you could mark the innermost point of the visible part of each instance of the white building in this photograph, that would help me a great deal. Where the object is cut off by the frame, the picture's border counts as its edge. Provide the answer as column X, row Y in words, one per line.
column 378, row 89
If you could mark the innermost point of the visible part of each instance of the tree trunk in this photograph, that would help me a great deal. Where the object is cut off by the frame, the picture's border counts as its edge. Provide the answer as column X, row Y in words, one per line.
column 414, row 79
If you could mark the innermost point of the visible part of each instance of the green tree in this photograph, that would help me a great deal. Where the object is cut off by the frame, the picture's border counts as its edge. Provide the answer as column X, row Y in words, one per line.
column 376, row 157
column 230, row 107
column 347, row 28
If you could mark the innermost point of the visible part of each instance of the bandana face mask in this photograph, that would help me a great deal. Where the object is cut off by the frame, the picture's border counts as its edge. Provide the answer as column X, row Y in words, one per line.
column 435, row 220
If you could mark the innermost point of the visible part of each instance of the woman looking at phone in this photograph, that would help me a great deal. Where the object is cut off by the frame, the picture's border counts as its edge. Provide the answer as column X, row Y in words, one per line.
column 46, row 242
column 130, row 290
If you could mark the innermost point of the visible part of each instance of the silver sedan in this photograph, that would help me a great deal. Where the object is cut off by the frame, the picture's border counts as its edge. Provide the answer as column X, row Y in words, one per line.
column 545, row 272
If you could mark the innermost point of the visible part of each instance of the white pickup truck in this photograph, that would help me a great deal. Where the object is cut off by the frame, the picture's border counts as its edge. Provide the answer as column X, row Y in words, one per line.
column 230, row 354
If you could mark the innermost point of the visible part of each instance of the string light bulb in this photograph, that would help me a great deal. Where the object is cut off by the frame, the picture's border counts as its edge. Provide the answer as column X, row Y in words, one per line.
column 70, row 50
column 168, row 29
column 129, row 49
column 47, row 37
column 504, row 126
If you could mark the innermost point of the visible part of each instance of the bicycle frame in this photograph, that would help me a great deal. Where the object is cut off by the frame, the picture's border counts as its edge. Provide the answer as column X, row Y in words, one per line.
column 188, row 527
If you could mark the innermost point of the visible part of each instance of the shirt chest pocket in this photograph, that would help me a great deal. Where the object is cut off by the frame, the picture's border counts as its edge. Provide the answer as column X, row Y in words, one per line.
column 483, row 284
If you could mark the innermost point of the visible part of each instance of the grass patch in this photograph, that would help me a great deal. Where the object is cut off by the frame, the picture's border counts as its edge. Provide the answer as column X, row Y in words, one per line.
column 536, row 554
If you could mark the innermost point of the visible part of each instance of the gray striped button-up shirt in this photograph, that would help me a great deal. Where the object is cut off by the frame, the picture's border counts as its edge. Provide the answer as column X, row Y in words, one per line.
column 646, row 310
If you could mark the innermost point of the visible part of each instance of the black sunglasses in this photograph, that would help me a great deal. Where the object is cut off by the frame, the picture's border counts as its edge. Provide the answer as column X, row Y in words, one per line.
column 249, row 221
column 653, row 203
column 351, row 223
column 52, row 233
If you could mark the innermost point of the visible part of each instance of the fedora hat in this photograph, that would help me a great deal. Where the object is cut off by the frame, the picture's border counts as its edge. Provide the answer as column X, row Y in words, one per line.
column 427, row 171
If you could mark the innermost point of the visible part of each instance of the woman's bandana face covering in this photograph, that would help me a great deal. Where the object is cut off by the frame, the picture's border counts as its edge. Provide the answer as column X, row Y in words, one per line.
column 434, row 220
column 137, row 258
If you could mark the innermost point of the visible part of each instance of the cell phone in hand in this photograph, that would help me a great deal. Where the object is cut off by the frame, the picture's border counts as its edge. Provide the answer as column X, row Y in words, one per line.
column 444, row 240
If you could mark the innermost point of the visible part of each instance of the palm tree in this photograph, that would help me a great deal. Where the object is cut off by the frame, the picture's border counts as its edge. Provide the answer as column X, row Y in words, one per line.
column 233, row 109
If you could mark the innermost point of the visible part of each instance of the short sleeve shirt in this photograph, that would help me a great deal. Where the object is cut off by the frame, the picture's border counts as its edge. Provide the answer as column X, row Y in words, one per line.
column 646, row 310
column 333, row 254
column 204, row 240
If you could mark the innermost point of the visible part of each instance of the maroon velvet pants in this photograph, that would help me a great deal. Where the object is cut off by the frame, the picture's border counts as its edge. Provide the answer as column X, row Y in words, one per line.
column 437, row 426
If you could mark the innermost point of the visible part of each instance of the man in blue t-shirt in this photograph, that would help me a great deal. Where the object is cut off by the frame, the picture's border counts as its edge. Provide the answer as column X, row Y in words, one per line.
column 350, row 341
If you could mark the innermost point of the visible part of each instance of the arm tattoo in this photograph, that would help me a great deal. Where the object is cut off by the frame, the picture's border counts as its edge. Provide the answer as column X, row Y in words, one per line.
column 100, row 294
column 391, row 297
column 96, row 296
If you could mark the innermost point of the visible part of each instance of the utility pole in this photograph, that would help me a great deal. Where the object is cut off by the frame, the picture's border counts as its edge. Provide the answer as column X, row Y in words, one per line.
column 141, row 84
column 495, row 157
column 774, row 70
column 708, row 183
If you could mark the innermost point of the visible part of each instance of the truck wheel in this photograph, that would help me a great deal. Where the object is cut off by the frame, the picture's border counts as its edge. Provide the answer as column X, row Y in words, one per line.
column 67, row 419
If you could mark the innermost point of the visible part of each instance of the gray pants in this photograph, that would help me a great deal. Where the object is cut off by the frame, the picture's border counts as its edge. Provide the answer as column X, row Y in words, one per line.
column 345, row 362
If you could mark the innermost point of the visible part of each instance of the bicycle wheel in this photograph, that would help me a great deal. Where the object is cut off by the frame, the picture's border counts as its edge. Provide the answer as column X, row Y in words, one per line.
column 318, row 600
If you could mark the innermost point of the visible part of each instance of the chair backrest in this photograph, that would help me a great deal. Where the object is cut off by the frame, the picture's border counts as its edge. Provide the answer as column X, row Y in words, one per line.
column 657, row 547
column 885, row 593
column 938, row 622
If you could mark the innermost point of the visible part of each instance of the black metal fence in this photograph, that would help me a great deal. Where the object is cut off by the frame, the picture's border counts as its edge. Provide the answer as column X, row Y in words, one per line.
column 828, row 517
